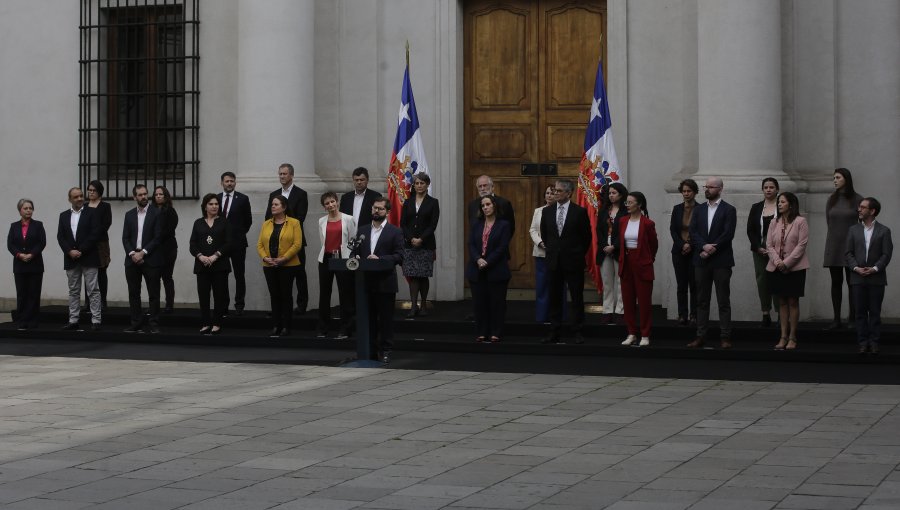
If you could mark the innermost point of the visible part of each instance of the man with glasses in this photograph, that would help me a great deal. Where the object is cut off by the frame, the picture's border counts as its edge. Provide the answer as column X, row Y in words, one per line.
column 566, row 235
column 712, row 230
column 869, row 250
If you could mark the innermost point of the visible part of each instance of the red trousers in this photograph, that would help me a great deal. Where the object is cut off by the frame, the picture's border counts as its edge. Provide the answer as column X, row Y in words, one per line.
column 635, row 291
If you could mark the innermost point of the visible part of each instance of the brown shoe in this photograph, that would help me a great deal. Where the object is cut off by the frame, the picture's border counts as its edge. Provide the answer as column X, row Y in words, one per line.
column 726, row 344
column 696, row 344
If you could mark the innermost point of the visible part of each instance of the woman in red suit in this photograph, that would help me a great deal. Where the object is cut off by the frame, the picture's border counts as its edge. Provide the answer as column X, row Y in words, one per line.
column 638, row 244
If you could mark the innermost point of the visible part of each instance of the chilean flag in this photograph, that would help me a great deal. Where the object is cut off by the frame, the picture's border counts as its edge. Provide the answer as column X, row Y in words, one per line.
column 408, row 156
column 599, row 166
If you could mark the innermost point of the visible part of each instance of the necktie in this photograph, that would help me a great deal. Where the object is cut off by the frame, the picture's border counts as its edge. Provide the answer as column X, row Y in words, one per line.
column 560, row 218
column 225, row 207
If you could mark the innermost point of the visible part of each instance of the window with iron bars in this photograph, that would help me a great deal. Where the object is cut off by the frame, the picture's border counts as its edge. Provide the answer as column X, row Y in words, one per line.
column 139, row 95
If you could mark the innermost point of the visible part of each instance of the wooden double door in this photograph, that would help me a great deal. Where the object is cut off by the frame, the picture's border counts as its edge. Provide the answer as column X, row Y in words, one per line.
column 529, row 80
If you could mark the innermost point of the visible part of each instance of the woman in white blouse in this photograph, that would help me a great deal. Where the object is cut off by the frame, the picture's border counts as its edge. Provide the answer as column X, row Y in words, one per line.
column 335, row 231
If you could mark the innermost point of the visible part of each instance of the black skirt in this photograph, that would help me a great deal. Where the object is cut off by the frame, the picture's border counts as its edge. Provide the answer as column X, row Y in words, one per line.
column 791, row 284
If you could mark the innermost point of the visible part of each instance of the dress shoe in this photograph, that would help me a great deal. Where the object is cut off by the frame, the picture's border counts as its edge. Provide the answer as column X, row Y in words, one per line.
column 412, row 313
column 72, row 326
column 22, row 327
column 682, row 321
column 133, row 329
column 834, row 326
column 276, row 332
column 692, row 321
column 579, row 338
column 214, row 331
column 630, row 339
column 168, row 310
column 96, row 326
column 495, row 339
column 205, row 330
column 645, row 341
column 153, row 329
column 862, row 349
column 551, row 340
column 696, row 344
column 285, row 332
column 321, row 334
column 422, row 312
column 343, row 335
column 725, row 344
column 480, row 339
column 239, row 311
column 873, row 348
column 386, row 357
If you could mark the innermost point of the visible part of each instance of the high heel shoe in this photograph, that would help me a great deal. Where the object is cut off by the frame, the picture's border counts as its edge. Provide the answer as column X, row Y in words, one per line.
column 479, row 339
column 495, row 339
column 215, row 330
column 276, row 332
column 781, row 343
column 792, row 344
column 205, row 330
column 630, row 339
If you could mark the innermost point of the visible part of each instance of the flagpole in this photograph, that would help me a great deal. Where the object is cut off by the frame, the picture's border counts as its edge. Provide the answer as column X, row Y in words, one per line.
column 407, row 53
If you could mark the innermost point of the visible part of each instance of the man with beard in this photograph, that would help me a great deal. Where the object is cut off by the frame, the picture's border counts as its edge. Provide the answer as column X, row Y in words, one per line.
column 869, row 250
column 235, row 207
column 711, row 230
column 141, row 235
column 382, row 241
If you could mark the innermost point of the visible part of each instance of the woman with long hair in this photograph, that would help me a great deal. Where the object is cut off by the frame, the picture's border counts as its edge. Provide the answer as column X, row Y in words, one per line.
column 786, row 243
column 682, row 253
column 210, row 245
column 761, row 215
column 418, row 220
column 104, row 210
column 638, row 245
column 278, row 246
column 840, row 214
column 336, row 229
column 168, row 245
column 26, row 242
column 608, row 253
column 488, row 270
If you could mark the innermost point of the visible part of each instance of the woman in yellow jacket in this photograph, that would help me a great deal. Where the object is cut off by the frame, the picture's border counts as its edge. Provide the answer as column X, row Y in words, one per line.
column 278, row 247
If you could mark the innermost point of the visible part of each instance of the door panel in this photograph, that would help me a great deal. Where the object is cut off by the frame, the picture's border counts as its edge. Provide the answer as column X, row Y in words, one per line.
column 529, row 78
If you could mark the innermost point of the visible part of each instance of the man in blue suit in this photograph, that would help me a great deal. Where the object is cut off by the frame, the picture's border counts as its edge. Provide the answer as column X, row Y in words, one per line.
column 712, row 230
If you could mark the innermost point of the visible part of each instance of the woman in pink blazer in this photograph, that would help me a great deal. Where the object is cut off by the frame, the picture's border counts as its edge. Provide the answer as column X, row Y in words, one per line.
column 637, row 251
column 786, row 246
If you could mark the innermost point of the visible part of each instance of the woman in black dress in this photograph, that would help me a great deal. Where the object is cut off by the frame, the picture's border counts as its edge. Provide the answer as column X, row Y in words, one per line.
column 418, row 220
column 168, row 245
column 840, row 214
column 104, row 210
column 26, row 241
column 210, row 242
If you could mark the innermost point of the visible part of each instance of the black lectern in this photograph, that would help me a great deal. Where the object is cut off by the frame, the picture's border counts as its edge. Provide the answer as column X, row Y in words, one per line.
column 360, row 267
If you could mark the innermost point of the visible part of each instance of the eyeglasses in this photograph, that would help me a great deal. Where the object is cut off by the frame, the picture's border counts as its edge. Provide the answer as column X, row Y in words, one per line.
column 558, row 190
column 712, row 187
column 376, row 208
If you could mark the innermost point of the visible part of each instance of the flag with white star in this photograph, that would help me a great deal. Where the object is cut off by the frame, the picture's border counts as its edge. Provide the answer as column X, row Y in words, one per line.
column 408, row 155
column 599, row 166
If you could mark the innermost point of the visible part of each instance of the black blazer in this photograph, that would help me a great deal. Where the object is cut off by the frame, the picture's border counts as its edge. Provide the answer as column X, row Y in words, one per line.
column 505, row 211
column 602, row 232
column 881, row 249
column 721, row 234
column 566, row 252
column 168, row 244
column 389, row 247
column 298, row 206
column 152, row 234
column 365, row 213
column 104, row 217
column 206, row 240
column 496, row 255
column 239, row 217
column 757, row 241
column 420, row 224
column 85, row 240
column 34, row 243
column 675, row 227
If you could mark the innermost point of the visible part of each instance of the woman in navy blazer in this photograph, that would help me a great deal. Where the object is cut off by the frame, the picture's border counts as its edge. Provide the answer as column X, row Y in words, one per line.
column 25, row 241
column 638, row 245
column 488, row 270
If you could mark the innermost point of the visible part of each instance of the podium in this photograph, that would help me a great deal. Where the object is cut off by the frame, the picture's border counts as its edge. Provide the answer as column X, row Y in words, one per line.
column 359, row 267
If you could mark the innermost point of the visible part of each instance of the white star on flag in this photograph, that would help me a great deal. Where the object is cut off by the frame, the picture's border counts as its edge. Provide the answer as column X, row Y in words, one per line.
column 595, row 108
column 404, row 113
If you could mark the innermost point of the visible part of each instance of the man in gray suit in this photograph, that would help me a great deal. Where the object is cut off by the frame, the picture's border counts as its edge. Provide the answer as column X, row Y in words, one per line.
column 868, row 253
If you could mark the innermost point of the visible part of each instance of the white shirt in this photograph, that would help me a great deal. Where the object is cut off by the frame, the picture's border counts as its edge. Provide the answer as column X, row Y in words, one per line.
column 357, row 204
column 141, row 216
column 631, row 233
column 286, row 192
column 711, row 208
column 867, row 234
column 76, row 215
column 376, row 233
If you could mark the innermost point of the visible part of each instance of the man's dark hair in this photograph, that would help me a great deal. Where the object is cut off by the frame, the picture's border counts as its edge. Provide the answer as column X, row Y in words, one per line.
column 289, row 166
column 227, row 174
column 137, row 187
column 387, row 203
column 360, row 170
column 874, row 205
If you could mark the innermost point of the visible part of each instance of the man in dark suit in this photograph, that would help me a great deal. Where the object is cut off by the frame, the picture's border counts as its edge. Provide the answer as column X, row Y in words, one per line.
column 381, row 287
column 235, row 207
column 359, row 203
column 712, row 230
column 77, row 235
column 566, row 234
column 298, row 207
column 141, row 235
column 485, row 187
column 869, row 250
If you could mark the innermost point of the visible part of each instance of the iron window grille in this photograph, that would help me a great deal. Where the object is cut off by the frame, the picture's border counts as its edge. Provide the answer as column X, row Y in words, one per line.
column 139, row 95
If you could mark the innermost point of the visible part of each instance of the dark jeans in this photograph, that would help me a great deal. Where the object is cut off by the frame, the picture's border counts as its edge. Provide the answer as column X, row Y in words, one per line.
column 134, row 273
column 279, row 280
column 238, row 258
column 28, row 298
column 685, row 282
column 345, row 294
column 489, row 300
column 574, row 280
column 217, row 281
column 381, row 322
column 868, row 299
column 302, row 286
column 165, row 274
column 706, row 278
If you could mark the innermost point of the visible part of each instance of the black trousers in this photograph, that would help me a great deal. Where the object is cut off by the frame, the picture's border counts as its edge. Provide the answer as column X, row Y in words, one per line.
column 685, row 282
column 166, row 272
column 28, row 298
column 238, row 258
column 706, row 278
column 345, row 294
column 868, row 299
column 574, row 280
column 489, row 299
column 302, row 286
column 280, row 280
column 217, row 281
column 381, row 322
column 134, row 273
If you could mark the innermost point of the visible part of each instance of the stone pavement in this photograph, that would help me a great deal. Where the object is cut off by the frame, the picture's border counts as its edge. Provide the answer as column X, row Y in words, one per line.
column 122, row 434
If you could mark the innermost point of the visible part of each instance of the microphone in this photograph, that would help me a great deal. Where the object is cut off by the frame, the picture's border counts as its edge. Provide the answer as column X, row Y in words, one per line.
column 353, row 244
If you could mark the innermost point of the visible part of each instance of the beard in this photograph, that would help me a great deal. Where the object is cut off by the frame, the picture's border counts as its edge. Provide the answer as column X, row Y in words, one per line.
column 378, row 217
